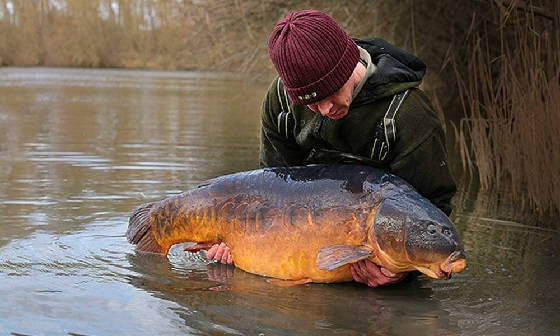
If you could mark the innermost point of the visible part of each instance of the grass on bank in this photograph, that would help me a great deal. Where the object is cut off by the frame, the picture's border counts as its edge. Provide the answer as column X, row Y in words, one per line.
column 509, row 136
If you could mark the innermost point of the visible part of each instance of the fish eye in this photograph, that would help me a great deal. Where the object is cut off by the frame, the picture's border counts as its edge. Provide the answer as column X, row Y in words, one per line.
column 432, row 229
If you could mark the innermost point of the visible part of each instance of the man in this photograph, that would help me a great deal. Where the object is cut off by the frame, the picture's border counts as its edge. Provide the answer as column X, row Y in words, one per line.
column 350, row 100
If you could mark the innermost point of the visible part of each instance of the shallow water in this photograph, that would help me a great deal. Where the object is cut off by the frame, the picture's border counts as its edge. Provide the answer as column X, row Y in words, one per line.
column 80, row 149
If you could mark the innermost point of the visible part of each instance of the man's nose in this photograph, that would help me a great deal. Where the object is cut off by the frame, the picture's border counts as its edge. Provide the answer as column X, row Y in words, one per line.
column 325, row 107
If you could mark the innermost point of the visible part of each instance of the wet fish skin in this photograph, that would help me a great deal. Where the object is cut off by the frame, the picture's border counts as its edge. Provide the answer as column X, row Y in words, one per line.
column 283, row 222
column 418, row 233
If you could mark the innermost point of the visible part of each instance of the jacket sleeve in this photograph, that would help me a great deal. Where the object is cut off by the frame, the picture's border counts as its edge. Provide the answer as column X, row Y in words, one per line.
column 275, row 149
column 422, row 158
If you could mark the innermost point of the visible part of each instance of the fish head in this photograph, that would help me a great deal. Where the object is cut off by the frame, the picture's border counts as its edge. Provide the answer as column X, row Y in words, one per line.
column 410, row 233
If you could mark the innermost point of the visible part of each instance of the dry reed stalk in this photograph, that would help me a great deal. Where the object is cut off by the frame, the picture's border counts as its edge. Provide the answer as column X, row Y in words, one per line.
column 509, row 134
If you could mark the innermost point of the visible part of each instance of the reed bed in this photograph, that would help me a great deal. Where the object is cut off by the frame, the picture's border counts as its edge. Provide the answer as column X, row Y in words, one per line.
column 508, row 137
column 509, row 86
column 215, row 35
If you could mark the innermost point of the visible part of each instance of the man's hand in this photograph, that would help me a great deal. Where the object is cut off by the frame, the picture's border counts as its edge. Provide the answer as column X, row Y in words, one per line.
column 367, row 272
column 220, row 253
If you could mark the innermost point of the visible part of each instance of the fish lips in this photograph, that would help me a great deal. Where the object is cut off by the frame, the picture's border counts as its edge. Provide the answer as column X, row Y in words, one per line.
column 455, row 263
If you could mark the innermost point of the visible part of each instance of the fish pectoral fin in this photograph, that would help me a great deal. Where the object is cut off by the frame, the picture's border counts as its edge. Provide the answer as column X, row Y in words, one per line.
column 334, row 256
column 287, row 283
column 199, row 246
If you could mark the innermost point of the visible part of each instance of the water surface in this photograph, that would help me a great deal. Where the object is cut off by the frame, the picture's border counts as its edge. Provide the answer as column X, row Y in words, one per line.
column 80, row 149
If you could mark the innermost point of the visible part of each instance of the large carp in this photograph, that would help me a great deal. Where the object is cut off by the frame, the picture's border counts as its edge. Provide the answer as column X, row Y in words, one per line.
column 306, row 223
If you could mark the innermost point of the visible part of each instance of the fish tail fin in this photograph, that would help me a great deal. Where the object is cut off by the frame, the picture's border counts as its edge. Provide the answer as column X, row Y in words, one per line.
column 140, row 231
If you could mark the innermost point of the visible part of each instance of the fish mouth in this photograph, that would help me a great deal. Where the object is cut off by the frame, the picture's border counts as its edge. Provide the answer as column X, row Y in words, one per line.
column 455, row 263
column 434, row 271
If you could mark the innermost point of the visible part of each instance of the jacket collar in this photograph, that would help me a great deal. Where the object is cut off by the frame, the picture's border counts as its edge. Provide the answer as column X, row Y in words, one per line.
column 395, row 71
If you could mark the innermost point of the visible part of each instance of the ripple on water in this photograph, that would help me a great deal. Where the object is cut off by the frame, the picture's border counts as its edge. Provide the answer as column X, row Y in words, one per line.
column 83, row 148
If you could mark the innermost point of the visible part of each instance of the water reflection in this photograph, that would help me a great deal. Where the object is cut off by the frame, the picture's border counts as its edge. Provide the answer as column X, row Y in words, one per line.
column 80, row 149
column 510, row 281
column 72, row 139
column 247, row 304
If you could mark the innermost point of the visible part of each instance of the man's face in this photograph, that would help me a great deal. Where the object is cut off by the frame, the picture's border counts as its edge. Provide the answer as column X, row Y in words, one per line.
column 336, row 105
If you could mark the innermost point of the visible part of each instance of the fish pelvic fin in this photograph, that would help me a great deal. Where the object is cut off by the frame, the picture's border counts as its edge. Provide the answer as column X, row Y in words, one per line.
column 199, row 247
column 288, row 283
column 140, row 231
column 334, row 256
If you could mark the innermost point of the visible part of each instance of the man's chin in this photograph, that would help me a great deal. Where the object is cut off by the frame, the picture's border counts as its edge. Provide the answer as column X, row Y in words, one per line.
column 339, row 115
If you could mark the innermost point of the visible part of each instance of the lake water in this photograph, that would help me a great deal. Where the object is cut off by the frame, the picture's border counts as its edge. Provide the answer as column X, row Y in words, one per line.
column 80, row 149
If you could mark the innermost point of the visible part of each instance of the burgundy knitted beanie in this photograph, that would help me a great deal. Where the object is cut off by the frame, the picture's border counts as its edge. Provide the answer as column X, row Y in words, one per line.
column 313, row 56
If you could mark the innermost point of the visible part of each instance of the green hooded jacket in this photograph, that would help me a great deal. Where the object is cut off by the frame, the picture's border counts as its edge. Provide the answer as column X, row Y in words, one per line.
column 294, row 135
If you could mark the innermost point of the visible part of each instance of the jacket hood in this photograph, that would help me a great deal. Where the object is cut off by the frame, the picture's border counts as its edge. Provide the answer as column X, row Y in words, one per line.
column 396, row 70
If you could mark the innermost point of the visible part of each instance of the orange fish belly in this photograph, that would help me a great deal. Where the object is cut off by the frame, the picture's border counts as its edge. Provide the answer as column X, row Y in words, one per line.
column 288, row 248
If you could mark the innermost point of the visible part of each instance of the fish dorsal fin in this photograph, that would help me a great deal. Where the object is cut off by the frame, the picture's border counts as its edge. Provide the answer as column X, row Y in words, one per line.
column 334, row 256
